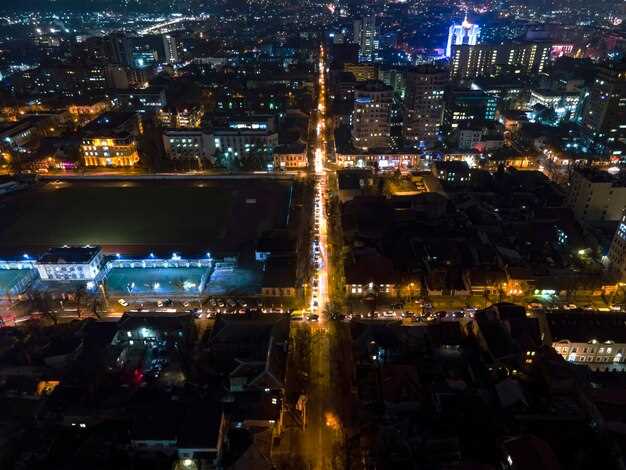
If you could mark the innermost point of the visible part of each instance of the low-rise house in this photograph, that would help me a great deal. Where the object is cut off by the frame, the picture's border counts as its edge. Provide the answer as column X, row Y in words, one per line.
column 70, row 264
column 250, row 353
column 595, row 340
column 368, row 272
column 290, row 157
column 279, row 277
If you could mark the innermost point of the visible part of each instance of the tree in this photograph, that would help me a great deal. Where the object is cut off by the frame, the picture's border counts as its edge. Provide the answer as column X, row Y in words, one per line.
column 150, row 147
column 42, row 301
column 79, row 293
column 94, row 308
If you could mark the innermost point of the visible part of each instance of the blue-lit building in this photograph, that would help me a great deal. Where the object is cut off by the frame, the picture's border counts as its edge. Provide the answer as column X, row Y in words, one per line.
column 464, row 33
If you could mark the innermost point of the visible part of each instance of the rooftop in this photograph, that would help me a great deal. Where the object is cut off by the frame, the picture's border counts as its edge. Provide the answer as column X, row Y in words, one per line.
column 108, row 121
column 582, row 326
column 599, row 176
column 71, row 254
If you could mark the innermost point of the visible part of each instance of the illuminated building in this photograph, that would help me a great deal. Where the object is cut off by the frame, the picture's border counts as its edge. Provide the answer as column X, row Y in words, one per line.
column 371, row 115
column 148, row 99
column 292, row 157
column 144, row 59
column 188, row 143
column 110, row 140
column 467, row 105
column 464, row 33
column 362, row 72
column 596, row 195
column 589, row 339
column 181, row 117
column 16, row 136
column 617, row 251
column 565, row 104
column 247, row 135
column 171, row 49
column 85, row 110
column 61, row 79
column 70, row 264
column 366, row 36
column 604, row 111
column 472, row 61
column 382, row 160
column 423, row 103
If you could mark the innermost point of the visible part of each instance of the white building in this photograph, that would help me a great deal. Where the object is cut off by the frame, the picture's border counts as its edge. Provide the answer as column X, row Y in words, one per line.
column 240, row 143
column 593, row 354
column 596, row 195
column 595, row 340
column 171, row 49
column 564, row 103
column 70, row 264
column 371, row 116
column 464, row 33
column 188, row 143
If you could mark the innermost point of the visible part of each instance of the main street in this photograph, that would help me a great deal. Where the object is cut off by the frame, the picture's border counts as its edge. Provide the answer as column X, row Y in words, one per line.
column 329, row 400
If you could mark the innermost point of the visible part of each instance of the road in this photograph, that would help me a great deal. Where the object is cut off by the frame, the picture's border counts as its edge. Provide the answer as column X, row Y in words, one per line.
column 329, row 400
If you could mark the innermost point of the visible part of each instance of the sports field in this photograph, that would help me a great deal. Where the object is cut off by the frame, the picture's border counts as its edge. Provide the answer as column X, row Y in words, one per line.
column 10, row 278
column 155, row 281
column 217, row 215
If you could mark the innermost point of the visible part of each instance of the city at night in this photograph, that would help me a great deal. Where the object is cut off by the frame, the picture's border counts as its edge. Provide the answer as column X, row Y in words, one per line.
column 312, row 235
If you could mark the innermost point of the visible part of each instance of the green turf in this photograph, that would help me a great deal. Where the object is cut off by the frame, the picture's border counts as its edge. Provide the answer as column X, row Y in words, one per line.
column 131, row 213
column 10, row 277
column 170, row 280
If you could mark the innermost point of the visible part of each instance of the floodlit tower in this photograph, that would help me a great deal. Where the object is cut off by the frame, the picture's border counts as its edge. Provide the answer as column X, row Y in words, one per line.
column 464, row 33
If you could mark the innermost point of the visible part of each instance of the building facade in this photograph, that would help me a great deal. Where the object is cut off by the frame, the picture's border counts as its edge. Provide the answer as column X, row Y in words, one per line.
column 464, row 33
column 70, row 264
column 365, row 35
column 596, row 195
column 604, row 111
column 473, row 61
column 188, row 144
column 463, row 105
column 617, row 251
column 291, row 157
column 423, row 103
column 110, row 140
column 371, row 118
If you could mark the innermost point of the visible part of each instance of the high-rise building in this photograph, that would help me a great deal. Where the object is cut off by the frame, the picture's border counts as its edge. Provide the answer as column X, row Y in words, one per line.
column 462, row 105
column 617, row 251
column 469, row 62
column 464, row 33
column 596, row 195
column 372, row 114
column 604, row 111
column 171, row 49
column 162, row 46
column 365, row 35
column 423, row 103
column 118, row 49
